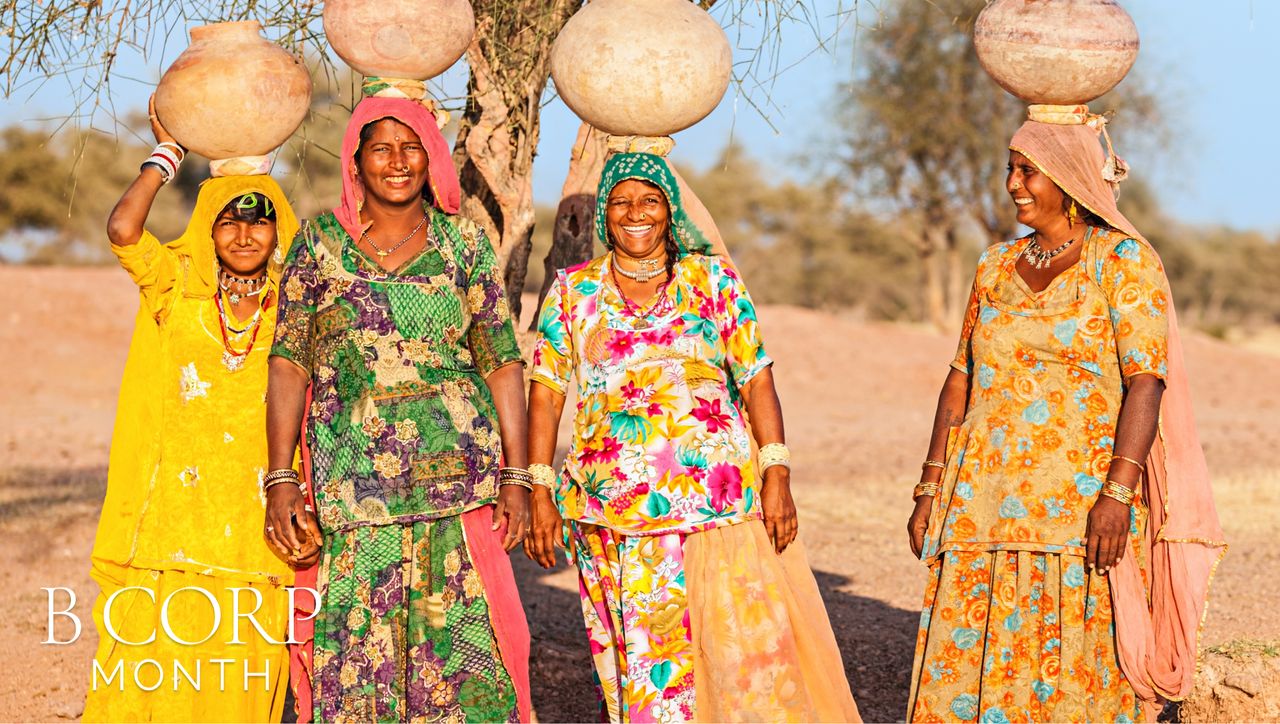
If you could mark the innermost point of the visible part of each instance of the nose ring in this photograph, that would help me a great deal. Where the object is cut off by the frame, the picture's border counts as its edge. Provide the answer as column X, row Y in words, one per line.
column 1016, row 185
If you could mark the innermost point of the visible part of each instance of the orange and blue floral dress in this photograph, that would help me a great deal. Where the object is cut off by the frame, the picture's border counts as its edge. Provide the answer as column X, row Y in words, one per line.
column 1014, row 626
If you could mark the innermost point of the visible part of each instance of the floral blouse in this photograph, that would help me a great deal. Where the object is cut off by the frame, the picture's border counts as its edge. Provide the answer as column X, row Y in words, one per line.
column 659, row 441
column 402, row 426
column 1047, row 374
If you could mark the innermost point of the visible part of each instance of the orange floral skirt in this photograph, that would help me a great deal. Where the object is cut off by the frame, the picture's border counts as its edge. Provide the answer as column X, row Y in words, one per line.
column 1013, row 636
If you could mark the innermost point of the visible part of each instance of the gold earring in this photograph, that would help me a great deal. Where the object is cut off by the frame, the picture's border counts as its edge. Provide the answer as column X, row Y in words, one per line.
column 1073, row 215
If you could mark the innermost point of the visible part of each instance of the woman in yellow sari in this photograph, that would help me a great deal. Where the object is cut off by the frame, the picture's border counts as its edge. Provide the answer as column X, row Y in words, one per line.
column 179, row 549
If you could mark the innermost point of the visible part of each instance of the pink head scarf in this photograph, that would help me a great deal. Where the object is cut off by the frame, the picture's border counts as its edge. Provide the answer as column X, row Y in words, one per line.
column 442, row 176
column 1156, row 638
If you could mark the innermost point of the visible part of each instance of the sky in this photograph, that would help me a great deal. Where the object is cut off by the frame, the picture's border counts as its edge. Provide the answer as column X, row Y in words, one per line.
column 1217, row 60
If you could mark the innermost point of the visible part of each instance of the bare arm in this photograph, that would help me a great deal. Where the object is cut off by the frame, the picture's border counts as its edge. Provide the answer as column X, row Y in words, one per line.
column 506, row 385
column 286, row 398
column 545, row 408
column 953, row 402
column 127, row 219
column 1108, row 523
column 765, row 412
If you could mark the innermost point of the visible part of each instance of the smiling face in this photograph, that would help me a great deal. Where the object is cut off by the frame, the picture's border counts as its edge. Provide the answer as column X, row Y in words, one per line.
column 1038, row 199
column 638, row 219
column 392, row 163
column 243, row 245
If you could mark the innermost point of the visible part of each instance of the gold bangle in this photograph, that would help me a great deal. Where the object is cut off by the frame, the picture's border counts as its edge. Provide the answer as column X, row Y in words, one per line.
column 933, row 464
column 1130, row 460
column 925, row 489
column 1119, row 492
column 521, row 483
column 544, row 476
column 281, row 481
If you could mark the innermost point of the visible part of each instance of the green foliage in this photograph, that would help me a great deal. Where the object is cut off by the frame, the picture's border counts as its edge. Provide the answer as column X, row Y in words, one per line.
column 60, row 187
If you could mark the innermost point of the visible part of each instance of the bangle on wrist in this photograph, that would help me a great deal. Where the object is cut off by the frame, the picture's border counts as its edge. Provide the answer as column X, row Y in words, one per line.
column 1119, row 492
column 544, row 476
column 934, row 464
column 775, row 453
column 515, row 476
column 925, row 489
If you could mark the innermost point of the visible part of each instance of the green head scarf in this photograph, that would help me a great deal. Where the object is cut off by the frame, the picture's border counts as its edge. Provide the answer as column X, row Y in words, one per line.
column 653, row 169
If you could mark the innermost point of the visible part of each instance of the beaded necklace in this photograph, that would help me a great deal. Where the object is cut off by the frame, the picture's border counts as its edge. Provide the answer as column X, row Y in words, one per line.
column 637, row 313
column 231, row 358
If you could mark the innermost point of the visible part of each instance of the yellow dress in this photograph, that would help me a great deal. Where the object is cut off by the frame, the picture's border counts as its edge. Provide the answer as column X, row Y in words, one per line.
column 183, row 516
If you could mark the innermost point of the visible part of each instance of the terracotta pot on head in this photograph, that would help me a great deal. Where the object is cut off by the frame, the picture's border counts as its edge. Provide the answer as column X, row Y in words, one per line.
column 232, row 93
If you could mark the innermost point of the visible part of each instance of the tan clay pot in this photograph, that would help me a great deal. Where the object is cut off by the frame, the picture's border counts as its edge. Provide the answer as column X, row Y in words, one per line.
column 416, row 39
column 641, row 67
column 233, row 93
column 1060, row 52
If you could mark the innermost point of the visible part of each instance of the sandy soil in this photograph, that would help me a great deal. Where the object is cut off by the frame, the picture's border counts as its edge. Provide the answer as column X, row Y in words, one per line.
column 858, row 399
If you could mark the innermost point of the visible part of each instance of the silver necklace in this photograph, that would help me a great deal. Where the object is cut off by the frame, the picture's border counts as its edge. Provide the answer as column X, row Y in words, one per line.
column 1036, row 255
column 398, row 244
column 258, row 284
column 649, row 269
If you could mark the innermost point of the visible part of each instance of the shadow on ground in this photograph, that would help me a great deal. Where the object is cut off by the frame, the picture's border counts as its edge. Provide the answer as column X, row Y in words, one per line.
column 32, row 492
column 876, row 641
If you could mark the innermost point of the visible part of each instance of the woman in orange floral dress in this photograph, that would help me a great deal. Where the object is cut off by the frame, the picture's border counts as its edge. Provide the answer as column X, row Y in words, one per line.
column 1043, row 429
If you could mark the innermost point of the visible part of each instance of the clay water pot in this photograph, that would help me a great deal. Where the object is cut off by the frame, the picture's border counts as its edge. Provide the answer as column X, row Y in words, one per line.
column 641, row 67
column 415, row 39
column 1059, row 52
column 233, row 93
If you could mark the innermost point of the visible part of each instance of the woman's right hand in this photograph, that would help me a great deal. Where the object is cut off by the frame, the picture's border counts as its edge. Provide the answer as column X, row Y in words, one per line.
column 918, row 523
column 157, row 130
column 299, row 543
column 545, row 532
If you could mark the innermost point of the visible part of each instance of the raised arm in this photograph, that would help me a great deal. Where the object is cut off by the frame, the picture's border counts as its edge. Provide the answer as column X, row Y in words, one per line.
column 129, row 217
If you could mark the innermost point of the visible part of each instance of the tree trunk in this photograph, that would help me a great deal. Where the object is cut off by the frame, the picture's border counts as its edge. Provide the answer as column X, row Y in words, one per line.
column 498, row 132
column 932, row 241
column 957, row 295
column 573, row 237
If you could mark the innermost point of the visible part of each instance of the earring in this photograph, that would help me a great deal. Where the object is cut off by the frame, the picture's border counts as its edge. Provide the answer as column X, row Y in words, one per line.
column 1073, row 215
column 276, row 256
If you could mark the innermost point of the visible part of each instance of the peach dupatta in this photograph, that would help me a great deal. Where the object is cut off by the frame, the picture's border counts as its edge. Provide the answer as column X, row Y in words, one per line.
column 1156, row 635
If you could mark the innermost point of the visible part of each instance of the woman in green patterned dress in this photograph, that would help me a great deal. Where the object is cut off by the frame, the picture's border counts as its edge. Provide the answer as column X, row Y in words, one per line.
column 393, row 311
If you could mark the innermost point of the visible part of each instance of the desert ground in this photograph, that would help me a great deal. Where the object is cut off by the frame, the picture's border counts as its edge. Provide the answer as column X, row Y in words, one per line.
column 858, row 399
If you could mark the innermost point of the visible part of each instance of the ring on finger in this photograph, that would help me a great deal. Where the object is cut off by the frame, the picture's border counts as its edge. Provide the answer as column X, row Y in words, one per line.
column 270, row 528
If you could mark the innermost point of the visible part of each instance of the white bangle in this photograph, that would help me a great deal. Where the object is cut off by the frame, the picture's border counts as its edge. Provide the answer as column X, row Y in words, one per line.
column 775, row 453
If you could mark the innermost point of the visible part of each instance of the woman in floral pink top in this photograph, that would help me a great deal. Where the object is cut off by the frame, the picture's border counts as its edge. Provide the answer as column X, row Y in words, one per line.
column 697, row 601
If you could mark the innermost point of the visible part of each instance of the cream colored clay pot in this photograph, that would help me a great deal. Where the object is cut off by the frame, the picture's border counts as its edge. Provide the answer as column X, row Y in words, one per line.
column 233, row 93
column 641, row 67
column 415, row 39
column 1059, row 52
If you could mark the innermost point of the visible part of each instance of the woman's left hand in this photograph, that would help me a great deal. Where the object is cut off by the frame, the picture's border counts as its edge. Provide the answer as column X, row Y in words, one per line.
column 1106, row 534
column 513, row 504
column 779, row 509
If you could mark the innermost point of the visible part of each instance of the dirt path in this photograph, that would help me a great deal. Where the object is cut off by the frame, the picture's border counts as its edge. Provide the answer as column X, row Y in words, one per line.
column 858, row 401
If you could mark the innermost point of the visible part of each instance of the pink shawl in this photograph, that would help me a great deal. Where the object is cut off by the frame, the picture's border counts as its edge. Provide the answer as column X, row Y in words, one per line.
column 443, row 177
column 1156, row 638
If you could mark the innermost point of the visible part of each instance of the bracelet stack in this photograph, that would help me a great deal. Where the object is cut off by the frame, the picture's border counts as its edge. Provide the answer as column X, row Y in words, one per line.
column 1119, row 492
column 775, row 453
column 924, row 489
column 544, row 476
column 166, row 157
column 515, row 476
column 281, row 477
